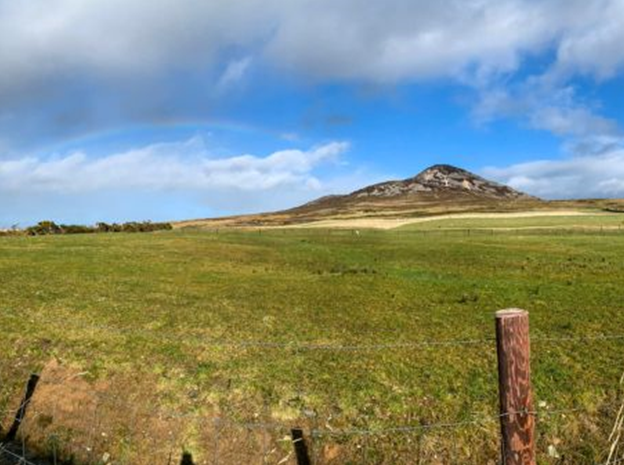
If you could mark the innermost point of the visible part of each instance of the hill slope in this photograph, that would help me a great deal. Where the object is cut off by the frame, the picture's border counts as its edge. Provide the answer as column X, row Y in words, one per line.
column 436, row 183
column 439, row 189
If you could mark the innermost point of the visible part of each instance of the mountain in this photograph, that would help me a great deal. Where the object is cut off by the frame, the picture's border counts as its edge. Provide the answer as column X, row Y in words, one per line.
column 437, row 190
column 438, row 181
column 442, row 179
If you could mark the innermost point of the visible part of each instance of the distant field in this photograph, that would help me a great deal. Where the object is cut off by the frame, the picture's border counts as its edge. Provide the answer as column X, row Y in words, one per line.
column 485, row 220
column 563, row 220
column 136, row 324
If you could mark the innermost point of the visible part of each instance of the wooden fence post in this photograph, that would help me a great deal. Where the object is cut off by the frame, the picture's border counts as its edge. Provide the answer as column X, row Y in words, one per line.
column 514, row 383
column 301, row 449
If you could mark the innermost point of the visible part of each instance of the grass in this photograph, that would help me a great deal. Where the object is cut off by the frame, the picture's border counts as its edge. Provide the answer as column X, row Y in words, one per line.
column 572, row 222
column 136, row 314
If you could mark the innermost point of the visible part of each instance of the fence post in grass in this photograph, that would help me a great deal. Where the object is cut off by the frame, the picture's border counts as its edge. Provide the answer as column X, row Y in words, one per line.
column 514, row 384
column 21, row 411
column 301, row 449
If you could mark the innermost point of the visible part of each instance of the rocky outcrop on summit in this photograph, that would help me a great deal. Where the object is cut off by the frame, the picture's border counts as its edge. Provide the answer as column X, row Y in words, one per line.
column 442, row 179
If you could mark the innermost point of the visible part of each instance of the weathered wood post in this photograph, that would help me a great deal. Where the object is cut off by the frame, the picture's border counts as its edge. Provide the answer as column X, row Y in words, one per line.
column 514, row 383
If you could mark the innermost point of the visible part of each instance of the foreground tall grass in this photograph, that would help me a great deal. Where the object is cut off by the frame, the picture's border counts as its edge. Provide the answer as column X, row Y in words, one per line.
column 137, row 317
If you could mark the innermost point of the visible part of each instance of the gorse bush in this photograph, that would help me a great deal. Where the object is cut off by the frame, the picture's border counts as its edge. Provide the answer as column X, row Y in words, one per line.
column 133, row 226
column 44, row 227
column 75, row 229
column 50, row 227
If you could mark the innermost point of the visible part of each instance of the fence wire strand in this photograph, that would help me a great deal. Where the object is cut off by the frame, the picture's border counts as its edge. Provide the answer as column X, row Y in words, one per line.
column 220, row 423
column 316, row 346
column 21, row 457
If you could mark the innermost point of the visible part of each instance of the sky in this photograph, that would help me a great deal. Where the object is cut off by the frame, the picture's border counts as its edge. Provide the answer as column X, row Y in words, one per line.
column 118, row 110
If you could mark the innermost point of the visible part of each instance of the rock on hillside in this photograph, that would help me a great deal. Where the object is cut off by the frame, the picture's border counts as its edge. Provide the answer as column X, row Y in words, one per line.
column 442, row 179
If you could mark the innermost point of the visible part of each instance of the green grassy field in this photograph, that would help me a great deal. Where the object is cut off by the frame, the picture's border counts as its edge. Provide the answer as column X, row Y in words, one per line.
column 154, row 322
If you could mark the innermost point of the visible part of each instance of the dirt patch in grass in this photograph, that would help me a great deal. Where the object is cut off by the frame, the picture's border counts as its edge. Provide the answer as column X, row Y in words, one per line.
column 72, row 419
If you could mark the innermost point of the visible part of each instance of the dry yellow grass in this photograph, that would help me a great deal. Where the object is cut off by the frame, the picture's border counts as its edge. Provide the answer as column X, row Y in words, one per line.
column 391, row 223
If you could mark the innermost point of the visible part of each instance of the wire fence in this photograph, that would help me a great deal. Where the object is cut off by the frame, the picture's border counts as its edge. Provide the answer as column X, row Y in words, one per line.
column 87, row 436
column 221, row 450
column 422, row 228
column 297, row 345
column 20, row 450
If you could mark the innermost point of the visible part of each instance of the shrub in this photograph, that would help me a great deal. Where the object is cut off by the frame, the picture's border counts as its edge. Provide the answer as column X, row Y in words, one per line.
column 50, row 227
column 43, row 228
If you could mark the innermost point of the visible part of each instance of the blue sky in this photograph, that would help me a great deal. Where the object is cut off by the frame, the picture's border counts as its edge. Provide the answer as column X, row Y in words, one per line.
column 129, row 110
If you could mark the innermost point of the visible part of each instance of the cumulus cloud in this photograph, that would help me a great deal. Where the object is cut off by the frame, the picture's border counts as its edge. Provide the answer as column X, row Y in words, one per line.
column 404, row 40
column 168, row 181
column 69, row 66
column 327, row 39
column 593, row 145
column 89, row 63
column 545, row 104
column 593, row 45
column 41, row 39
column 595, row 176
column 185, row 166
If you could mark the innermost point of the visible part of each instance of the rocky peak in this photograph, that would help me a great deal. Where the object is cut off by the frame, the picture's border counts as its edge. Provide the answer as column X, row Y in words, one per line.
column 439, row 179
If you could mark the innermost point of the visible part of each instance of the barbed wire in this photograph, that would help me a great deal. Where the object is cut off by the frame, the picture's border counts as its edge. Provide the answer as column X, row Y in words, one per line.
column 322, row 346
column 329, row 431
column 222, row 422
column 424, row 229
column 476, row 418
column 538, row 414
column 22, row 459
column 581, row 338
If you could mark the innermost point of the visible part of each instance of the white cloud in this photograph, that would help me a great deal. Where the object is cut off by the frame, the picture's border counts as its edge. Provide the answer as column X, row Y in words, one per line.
column 234, row 72
column 325, row 39
column 45, row 38
column 403, row 40
column 593, row 45
column 543, row 103
column 595, row 176
column 136, row 55
column 572, row 121
column 127, row 49
column 185, row 166
column 170, row 181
